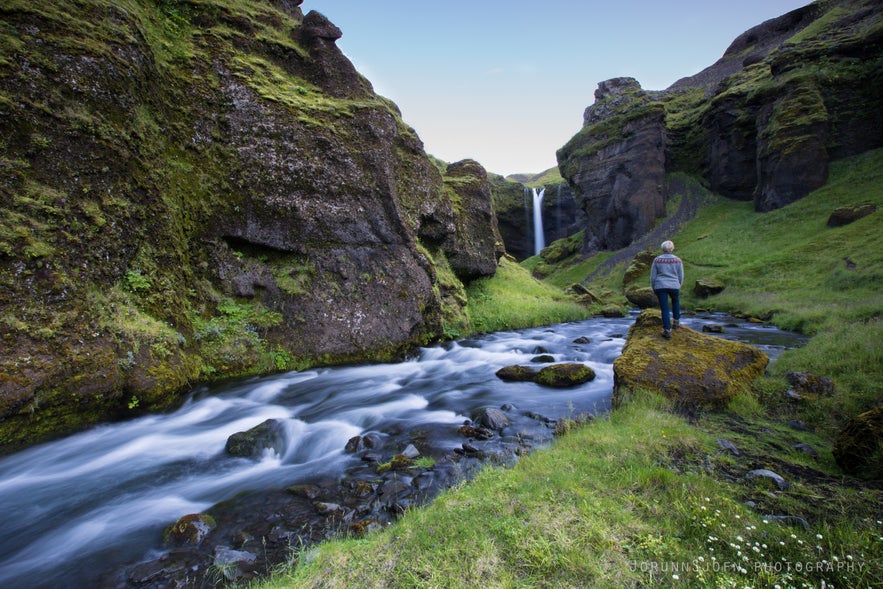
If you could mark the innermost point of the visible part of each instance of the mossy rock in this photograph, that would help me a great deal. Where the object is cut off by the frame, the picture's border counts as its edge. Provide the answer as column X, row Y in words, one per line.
column 706, row 287
column 846, row 215
column 189, row 529
column 584, row 295
column 516, row 373
column 638, row 267
column 269, row 435
column 859, row 447
column 613, row 310
column 641, row 297
column 693, row 370
column 559, row 251
column 564, row 375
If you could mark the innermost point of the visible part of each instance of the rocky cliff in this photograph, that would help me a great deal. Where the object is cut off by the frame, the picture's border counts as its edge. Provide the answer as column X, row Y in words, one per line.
column 200, row 190
column 761, row 124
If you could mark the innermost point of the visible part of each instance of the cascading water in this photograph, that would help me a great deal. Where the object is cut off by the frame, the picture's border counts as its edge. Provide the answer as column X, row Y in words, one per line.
column 78, row 508
column 539, row 240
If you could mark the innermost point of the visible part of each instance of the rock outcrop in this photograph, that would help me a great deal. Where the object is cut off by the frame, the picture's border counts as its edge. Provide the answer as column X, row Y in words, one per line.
column 761, row 124
column 616, row 164
column 218, row 195
column 693, row 370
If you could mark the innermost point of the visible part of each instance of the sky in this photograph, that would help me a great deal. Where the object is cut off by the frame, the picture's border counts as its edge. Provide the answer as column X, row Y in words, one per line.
column 506, row 82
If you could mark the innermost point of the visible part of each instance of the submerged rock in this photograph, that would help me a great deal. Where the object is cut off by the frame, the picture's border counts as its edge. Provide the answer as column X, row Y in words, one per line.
column 270, row 435
column 189, row 529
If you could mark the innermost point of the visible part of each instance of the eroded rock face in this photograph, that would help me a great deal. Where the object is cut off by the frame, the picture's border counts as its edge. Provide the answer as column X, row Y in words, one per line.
column 616, row 164
column 475, row 246
column 238, row 207
column 692, row 369
column 759, row 125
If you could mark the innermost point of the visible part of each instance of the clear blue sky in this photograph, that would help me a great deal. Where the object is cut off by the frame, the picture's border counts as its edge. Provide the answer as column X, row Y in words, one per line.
column 505, row 82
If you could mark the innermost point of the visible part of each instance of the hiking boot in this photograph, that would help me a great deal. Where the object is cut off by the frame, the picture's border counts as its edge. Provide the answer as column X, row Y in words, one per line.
column 666, row 333
column 675, row 323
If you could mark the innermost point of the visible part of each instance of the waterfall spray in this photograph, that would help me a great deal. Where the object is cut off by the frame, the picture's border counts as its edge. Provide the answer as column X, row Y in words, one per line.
column 539, row 241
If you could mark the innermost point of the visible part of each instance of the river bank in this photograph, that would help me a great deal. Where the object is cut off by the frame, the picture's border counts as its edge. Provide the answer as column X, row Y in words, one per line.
column 125, row 483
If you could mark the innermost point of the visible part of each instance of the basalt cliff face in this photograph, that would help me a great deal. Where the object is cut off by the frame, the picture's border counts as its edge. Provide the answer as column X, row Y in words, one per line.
column 192, row 191
column 761, row 124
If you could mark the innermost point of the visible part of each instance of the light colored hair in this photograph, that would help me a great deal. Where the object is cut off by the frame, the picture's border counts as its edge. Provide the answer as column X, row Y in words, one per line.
column 668, row 246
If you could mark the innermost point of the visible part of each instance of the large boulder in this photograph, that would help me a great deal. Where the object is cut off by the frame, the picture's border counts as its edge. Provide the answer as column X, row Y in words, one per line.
column 642, row 297
column 692, row 369
column 475, row 246
column 859, row 447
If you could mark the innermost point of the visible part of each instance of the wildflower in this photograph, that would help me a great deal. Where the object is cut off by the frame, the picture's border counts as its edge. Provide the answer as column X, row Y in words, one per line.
column 675, row 577
column 819, row 536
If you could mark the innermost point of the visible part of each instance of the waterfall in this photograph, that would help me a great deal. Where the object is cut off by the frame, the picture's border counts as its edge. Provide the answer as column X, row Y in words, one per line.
column 539, row 241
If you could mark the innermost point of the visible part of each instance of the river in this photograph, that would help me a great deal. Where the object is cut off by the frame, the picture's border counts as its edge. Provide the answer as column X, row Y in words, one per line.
column 78, row 507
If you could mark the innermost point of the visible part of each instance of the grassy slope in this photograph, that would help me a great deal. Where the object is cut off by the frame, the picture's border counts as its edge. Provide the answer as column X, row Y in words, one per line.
column 513, row 299
column 642, row 498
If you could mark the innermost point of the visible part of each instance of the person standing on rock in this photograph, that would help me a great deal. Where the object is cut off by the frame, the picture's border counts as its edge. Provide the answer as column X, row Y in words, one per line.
column 666, row 278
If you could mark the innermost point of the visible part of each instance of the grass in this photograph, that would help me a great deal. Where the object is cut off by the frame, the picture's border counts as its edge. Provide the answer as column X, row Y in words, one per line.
column 513, row 299
column 641, row 497
column 635, row 499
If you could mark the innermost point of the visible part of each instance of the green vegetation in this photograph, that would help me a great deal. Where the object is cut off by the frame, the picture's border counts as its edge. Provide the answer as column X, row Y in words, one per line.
column 636, row 499
column 641, row 497
column 513, row 299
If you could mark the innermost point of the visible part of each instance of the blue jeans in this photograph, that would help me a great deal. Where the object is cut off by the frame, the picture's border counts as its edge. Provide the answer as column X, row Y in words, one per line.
column 663, row 295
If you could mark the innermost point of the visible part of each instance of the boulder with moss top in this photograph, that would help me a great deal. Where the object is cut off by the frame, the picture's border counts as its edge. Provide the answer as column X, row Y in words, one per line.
column 692, row 369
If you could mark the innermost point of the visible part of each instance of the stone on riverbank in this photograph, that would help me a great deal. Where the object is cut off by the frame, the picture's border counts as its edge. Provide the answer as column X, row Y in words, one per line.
column 692, row 369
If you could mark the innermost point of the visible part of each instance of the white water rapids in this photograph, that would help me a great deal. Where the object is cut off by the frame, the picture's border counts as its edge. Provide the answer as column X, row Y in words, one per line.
column 80, row 506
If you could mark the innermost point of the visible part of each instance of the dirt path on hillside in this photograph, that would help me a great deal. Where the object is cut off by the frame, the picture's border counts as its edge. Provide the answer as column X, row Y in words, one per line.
column 693, row 194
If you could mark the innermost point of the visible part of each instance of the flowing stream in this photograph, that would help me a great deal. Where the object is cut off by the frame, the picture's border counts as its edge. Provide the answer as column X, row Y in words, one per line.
column 77, row 507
